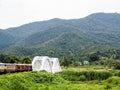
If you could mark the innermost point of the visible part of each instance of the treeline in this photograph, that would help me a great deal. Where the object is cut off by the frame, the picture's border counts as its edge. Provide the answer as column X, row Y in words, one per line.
column 14, row 59
column 110, row 58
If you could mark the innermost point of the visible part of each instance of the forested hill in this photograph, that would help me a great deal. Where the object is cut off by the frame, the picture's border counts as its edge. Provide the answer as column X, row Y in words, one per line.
column 59, row 37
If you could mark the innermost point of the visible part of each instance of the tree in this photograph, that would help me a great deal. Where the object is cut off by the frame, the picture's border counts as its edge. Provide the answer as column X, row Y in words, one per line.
column 3, row 58
column 65, row 61
column 93, row 56
column 13, row 59
column 26, row 59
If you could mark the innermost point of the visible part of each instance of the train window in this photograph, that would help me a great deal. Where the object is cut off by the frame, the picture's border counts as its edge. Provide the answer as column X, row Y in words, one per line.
column 22, row 67
column 18, row 67
column 10, row 67
column 2, row 67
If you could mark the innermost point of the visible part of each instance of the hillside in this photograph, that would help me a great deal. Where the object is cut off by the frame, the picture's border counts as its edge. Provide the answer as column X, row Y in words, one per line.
column 30, row 28
column 59, row 37
column 6, row 40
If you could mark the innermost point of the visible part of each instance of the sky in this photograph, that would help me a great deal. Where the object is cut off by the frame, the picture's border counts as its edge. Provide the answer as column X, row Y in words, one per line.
column 18, row 12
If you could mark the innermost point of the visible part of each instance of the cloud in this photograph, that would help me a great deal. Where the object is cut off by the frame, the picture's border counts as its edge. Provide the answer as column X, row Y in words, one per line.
column 1, row 3
column 17, row 12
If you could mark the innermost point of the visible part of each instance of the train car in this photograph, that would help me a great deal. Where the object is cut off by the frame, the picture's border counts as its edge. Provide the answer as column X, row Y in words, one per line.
column 23, row 67
column 2, row 67
column 19, row 67
column 8, row 67
column 28, row 67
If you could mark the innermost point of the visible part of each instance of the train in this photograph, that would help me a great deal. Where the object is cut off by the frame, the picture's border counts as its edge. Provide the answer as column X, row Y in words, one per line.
column 9, row 67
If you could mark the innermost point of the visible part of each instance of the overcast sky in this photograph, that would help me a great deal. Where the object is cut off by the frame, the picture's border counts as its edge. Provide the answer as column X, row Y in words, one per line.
column 17, row 12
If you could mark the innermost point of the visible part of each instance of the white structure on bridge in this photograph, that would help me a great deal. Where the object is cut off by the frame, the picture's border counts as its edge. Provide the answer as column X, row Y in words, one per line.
column 45, row 63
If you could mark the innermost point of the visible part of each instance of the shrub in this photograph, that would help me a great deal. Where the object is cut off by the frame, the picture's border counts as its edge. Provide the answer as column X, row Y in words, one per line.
column 114, row 80
column 87, row 75
column 108, row 86
column 117, row 65
column 82, row 78
column 117, row 73
column 27, row 80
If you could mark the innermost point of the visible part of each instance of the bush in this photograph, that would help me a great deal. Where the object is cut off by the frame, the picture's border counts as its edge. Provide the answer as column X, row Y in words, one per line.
column 82, row 78
column 27, row 80
column 117, row 65
column 108, row 86
column 117, row 73
column 87, row 75
column 114, row 80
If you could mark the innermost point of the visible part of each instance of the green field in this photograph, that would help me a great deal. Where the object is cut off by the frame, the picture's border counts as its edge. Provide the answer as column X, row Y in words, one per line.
column 79, row 78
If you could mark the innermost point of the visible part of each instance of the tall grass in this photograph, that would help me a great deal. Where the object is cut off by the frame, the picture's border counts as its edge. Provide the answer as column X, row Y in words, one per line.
column 27, row 80
column 66, row 80
column 87, row 75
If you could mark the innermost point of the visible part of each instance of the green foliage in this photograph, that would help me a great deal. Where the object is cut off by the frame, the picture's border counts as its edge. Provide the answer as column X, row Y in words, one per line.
column 117, row 73
column 3, row 58
column 108, row 86
column 82, row 78
column 27, row 80
column 116, row 65
column 85, row 75
column 114, row 80
column 67, row 80
column 65, row 61
column 6, row 40
column 44, row 77
column 12, row 59
column 26, row 59
column 110, row 63
column 93, row 56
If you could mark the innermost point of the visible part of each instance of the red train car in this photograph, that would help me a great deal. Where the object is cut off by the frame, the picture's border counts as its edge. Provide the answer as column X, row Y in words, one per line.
column 23, row 67
column 8, row 67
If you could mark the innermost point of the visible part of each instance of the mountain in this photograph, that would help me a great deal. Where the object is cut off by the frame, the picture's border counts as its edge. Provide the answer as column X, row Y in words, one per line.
column 59, row 37
column 6, row 40
column 28, row 29
column 46, row 35
column 99, row 21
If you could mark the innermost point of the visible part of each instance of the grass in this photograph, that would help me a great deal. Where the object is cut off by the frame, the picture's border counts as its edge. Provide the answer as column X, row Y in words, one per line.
column 69, row 79
column 87, row 68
